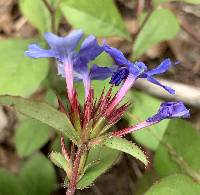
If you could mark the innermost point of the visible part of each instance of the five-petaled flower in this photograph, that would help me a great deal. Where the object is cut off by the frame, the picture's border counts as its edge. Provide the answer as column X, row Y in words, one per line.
column 136, row 70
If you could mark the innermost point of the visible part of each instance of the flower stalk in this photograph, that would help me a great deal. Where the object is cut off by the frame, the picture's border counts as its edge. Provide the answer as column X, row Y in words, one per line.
column 132, row 129
column 75, row 172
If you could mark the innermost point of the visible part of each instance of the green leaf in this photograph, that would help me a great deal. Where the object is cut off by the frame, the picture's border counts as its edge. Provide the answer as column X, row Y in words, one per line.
column 38, row 176
column 175, row 185
column 9, row 184
column 145, row 182
column 100, row 18
column 143, row 107
column 42, row 112
column 162, row 25
column 51, row 98
column 192, row 1
column 59, row 160
column 127, row 147
column 36, row 12
column 30, row 136
column 106, row 158
column 103, row 59
column 182, row 155
column 19, row 74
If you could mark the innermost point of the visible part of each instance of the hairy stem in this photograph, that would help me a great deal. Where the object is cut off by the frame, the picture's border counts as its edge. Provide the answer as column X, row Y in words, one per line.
column 64, row 149
column 73, row 181
column 131, row 129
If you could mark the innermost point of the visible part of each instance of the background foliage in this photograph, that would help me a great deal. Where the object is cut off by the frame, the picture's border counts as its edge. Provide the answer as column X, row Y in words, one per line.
column 176, row 162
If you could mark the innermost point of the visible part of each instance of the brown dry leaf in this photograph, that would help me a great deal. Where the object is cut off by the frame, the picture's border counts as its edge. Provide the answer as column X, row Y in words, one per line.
column 132, row 26
column 6, row 17
column 156, row 51
column 9, row 160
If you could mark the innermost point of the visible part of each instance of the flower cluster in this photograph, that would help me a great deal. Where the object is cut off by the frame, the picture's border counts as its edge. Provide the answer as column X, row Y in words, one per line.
column 94, row 119
column 96, row 116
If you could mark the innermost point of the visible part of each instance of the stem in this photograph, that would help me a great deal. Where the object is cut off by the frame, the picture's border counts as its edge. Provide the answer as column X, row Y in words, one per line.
column 125, row 131
column 69, row 79
column 181, row 162
column 52, row 11
column 48, row 6
column 143, row 23
column 129, row 82
column 178, row 159
column 73, row 181
column 64, row 149
column 72, row 151
column 150, row 10
column 53, row 23
column 87, row 85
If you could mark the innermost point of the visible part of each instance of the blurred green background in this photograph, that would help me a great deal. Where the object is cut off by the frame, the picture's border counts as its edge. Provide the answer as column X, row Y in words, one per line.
column 147, row 30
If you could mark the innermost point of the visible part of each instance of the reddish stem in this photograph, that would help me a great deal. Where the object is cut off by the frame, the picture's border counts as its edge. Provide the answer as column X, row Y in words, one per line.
column 64, row 149
column 125, row 131
column 72, row 152
column 73, row 181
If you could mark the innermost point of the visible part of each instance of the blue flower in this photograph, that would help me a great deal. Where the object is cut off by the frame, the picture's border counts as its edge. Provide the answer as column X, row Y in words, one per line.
column 137, row 69
column 163, row 67
column 124, row 66
column 72, row 64
column 60, row 47
column 170, row 110
column 63, row 50
column 101, row 73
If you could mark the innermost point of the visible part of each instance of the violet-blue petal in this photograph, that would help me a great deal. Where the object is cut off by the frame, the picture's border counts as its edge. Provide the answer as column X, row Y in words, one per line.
column 163, row 67
column 156, row 82
column 35, row 51
column 101, row 73
column 116, row 54
column 89, row 50
column 122, row 73
column 68, row 42
column 73, row 38
column 170, row 110
column 137, row 68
